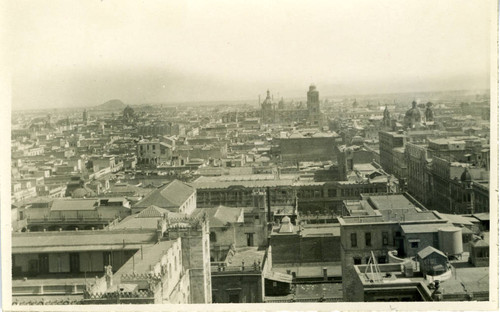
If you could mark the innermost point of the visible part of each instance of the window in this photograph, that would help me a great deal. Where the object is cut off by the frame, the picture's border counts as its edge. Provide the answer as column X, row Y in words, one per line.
column 249, row 239
column 414, row 244
column 213, row 237
column 356, row 260
column 385, row 238
column 354, row 240
column 382, row 259
column 368, row 239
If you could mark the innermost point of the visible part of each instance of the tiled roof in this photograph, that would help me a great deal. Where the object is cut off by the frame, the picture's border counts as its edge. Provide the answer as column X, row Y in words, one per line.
column 152, row 212
column 173, row 195
column 220, row 216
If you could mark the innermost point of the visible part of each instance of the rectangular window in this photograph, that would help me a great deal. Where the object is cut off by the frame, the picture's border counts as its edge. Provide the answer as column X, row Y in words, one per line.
column 414, row 244
column 213, row 237
column 385, row 238
column 356, row 260
column 249, row 239
column 354, row 240
column 368, row 239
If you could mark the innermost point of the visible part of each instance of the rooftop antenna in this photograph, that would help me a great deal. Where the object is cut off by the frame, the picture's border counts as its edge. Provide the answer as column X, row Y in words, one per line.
column 376, row 276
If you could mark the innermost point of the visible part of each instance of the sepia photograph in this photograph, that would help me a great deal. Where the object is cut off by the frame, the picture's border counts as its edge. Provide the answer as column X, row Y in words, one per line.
column 249, row 155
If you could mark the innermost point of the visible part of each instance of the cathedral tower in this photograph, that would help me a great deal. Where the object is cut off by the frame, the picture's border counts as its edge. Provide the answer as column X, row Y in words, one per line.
column 313, row 107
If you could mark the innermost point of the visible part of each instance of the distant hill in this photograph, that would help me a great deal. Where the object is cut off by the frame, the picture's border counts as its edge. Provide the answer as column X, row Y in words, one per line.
column 112, row 105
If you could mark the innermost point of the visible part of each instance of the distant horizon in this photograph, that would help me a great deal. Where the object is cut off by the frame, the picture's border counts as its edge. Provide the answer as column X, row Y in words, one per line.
column 252, row 101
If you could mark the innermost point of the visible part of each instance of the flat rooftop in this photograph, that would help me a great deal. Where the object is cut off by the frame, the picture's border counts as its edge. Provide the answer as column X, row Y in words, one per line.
column 247, row 254
column 37, row 242
column 387, row 208
column 310, row 270
column 321, row 290
column 246, row 177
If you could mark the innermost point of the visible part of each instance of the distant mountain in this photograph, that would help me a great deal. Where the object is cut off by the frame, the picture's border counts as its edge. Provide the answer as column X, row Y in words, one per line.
column 112, row 105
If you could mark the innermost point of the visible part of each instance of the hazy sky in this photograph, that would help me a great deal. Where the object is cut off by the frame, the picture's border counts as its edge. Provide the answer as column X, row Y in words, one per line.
column 74, row 53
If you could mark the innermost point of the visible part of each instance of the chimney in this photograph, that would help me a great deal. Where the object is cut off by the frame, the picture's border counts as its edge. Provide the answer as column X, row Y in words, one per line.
column 268, row 193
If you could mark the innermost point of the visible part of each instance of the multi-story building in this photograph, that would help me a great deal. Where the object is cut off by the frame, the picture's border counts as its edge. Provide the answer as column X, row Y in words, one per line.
column 388, row 141
column 176, row 196
column 397, row 282
column 154, row 152
column 419, row 180
column 160, row 129
column 455, row 185
column 285, row 190
column 379, row 224
column 149, row 257
column 297, row 147
column 51, row 214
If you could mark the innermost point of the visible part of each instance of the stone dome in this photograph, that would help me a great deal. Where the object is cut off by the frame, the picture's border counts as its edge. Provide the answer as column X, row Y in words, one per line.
column 466, row 177
column 413, row 112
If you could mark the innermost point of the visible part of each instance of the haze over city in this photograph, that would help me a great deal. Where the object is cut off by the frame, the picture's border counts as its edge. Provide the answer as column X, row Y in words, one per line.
column 83, row 53
column 271, row 152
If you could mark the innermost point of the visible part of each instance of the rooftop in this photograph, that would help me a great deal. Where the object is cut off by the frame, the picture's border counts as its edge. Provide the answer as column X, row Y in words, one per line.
column 387, row 208
column 249, row 255
column 310, row 270
column 220, row 216
column 38, row 242
column 151, row 255
column 172, row 195
column 74, row 204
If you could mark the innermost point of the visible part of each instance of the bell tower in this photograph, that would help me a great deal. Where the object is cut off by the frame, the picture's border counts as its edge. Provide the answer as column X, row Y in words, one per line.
column 313, row 107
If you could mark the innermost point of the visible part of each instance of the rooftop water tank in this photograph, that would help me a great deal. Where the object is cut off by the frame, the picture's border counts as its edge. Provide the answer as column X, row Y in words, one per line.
column 450, row 240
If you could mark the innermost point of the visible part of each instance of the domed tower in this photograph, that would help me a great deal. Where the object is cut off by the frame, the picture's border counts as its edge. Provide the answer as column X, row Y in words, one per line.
column 313, row 107
column 413, row 117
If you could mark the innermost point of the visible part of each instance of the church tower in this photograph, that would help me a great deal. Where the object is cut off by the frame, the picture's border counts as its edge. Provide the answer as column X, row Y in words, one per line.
column 313, row 107
column 267, row 109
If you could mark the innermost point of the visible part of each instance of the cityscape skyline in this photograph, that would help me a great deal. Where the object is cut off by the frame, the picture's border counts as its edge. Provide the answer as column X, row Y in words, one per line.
column 90, row 52
column 318, row 154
